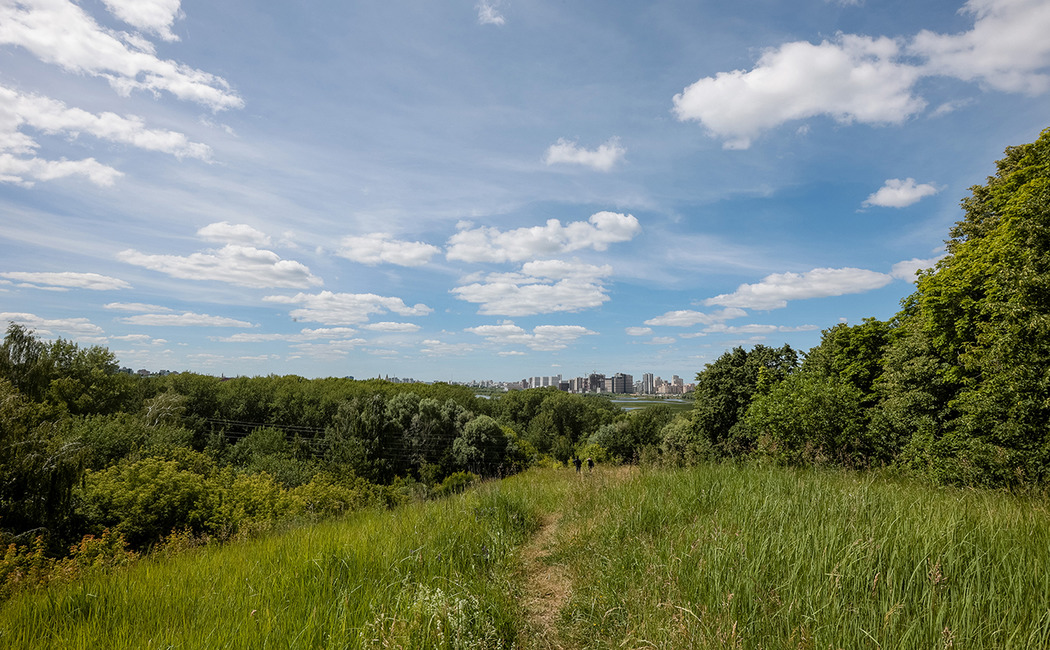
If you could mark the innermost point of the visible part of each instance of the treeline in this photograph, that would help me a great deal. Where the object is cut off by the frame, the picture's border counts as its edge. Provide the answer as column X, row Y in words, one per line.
column 86, row 450
column 954, row 387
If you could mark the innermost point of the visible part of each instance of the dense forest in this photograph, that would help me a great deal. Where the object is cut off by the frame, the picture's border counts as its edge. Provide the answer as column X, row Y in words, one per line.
column 955, row 388
column 86, row 449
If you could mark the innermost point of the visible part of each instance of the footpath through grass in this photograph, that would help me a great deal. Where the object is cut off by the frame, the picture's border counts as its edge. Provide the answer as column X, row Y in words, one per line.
column 711, row 557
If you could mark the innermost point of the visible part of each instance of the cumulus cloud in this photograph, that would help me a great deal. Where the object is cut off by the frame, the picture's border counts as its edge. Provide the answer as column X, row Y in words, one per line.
column 604, row 158
column 61, row 32
column 853, row 78
column 156, row 16
column 345, row 308
column 243, row 266
column 492, row 245
column 377, row 248
column 907, row 269
column 186, row 319
column 541, row 287
column 488, row 14
column 1007, row 49
column 543, row 338
column 229, row 233
column 68, row 280
column 690, row 317
column 872, row 80
column 897, row 193
column 638, row 331
column 26, row 171
column 50, row 326
column 775, row 290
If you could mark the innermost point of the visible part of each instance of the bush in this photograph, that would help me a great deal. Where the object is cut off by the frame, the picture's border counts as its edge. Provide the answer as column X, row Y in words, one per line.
column 455, row 483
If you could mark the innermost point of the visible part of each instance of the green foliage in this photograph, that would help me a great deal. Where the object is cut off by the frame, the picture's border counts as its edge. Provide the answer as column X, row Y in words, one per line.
column 681, row 446
column 63, row 377
column 979, row 325
column 481, row 447
column 455, row 483
column 813, row 418
column 852, row 353
column 144, row 500
column 38, row 471
column 724, row 391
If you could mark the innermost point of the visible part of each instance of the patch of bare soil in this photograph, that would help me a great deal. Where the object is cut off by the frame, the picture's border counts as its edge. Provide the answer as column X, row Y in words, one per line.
column 547, row 586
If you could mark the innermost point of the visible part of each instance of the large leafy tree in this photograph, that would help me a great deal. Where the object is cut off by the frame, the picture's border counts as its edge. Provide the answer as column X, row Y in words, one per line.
column 978, row 331
column 725, row 389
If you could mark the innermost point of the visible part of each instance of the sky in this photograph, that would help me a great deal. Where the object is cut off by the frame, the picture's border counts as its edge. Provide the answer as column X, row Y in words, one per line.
column 461, row 190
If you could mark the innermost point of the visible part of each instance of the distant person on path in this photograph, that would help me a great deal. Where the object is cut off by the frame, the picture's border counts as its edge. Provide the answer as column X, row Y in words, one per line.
column 590, row 464
column 577, row 462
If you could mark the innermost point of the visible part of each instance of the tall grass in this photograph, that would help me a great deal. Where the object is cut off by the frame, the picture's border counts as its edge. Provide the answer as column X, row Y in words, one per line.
column 425, row 575
column 711, row 557
column 772, row 558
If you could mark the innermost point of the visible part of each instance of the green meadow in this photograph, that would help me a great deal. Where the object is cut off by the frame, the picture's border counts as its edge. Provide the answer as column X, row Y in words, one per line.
column 708, row 557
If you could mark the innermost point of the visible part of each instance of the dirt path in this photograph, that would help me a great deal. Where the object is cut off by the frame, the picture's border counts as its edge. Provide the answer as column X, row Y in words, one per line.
column 547, row 586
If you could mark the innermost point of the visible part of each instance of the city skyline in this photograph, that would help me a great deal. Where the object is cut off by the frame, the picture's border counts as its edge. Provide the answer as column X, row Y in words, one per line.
column 490, row 189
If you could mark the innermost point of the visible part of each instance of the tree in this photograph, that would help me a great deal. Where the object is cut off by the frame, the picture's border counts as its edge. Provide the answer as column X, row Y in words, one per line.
column 481, row 447
column 981, row 321
column 812, row 417
column 725, row 388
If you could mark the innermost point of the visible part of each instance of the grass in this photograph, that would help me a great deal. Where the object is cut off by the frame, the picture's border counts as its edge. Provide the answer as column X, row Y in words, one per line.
column 711, row 557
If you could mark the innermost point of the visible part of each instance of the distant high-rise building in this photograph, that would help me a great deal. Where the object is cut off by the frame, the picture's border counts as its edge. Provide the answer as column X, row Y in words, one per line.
column 622, row 383
column 648, row 384
column 596, row 382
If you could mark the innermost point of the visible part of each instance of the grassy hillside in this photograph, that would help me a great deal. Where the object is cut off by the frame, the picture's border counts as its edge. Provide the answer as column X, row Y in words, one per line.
column 708, row 557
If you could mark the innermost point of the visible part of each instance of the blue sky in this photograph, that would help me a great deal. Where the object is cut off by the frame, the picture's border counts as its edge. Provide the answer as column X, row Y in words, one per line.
column 495, row 190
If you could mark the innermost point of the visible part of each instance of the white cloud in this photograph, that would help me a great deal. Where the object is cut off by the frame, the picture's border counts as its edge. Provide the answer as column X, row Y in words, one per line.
column 304, row 335
column 690, row 317
column 137, row 307
column 52, row 116
column 492, row 245
column 638, row 331
column 48, row 326
column 61, row 33
column 187, row 319
column 1007, row 49
column 243, row 266
column 897, row 193
column 388, row 326
column 156, row 16
column 872, row 80
column 345, row 308
column 436, row 348
column 228, row 233
column 604, row 158
column 854, row 78
column 377, row 248
column 69, row 280
column 543, row 338
column 488, row 14
column 542, row 287
column 776, row 289
column 754, row 328
column 24, row 171
column 906, row 270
